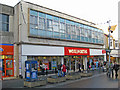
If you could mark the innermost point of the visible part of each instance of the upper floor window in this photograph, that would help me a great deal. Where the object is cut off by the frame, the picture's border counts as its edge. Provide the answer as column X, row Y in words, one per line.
column 42, row 24
column 4, row 22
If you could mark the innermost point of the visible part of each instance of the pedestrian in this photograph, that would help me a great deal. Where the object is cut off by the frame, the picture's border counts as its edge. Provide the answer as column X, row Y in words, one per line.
column 67, row 69
column 88, row 65
column 92, row 65
column 59, row 70
column 64, row 70
column 111, row 68
column 116, row 68
column 79, row 66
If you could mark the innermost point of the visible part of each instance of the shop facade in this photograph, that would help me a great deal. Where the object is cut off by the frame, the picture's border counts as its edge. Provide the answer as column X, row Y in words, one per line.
column 7, row 60
column 52, row 56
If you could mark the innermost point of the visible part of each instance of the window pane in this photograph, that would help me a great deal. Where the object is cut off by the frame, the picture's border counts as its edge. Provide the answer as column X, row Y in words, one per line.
column 56, row 35
column 73, row 29
column 32, row 12
column 5, row 27
column 5, row 18
column 9, row 64
column 42, row 15
column 0, row 26
column 49, row 17
column 62, row 27
column 33, row 31
column 55, row 18
column 9, row 72
column 62, row 20
column 62, row 35
column 56, row 26
column 0, row 17
column 42, row 23
column 49, row 34
column 49, row 24
column 67, row 28
column 31, row 19
column 42, row 33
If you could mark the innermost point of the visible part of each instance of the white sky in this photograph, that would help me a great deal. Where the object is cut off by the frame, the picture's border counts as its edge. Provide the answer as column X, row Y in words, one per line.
column 97, row 11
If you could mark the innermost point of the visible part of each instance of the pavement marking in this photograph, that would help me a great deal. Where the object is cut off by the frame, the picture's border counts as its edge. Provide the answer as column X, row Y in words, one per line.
column 68, row 82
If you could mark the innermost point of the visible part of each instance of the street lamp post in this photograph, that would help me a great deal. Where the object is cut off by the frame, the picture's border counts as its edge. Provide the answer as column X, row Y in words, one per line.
column 109, row 39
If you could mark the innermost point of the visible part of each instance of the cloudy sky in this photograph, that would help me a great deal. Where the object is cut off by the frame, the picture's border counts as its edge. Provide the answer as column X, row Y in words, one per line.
column 97, row 11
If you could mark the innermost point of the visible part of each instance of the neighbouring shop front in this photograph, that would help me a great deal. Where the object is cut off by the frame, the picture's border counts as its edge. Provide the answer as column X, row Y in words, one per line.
column 51, row 56
column 97, row 56
column 7, row 60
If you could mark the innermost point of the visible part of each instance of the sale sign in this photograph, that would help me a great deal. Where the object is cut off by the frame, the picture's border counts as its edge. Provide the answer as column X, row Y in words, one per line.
column 76, row 51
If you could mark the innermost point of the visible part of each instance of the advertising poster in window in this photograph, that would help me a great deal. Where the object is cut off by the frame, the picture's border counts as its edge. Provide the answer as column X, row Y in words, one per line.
column 46, row 62
column 54, row 64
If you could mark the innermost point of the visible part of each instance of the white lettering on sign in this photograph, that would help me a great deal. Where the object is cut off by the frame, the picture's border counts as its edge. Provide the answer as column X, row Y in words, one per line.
column 77, row 51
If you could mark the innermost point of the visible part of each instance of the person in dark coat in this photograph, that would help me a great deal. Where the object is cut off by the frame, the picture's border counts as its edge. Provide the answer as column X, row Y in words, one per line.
column 88, row 65
column 116, row 68
column 79, row 66
column 59, row 69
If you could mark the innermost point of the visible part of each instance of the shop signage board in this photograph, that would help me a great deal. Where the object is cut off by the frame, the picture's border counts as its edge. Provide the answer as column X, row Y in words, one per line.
column 95, row 52
column 42, row 50
column 76, row 51
column 6, row 49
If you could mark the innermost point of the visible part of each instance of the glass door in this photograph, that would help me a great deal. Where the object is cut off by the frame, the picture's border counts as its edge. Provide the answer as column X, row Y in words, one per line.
column 9, row 67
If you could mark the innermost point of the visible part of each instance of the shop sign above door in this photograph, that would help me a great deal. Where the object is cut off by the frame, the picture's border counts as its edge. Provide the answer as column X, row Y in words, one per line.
column 76, row 51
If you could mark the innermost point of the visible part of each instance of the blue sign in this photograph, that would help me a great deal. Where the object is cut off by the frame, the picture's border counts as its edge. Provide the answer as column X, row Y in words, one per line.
column 1, row 50
column 34, row 75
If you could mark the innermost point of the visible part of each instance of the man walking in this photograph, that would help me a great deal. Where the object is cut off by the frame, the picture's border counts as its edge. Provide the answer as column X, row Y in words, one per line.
column 79, row 66
column 59, row 69
column 116, row 68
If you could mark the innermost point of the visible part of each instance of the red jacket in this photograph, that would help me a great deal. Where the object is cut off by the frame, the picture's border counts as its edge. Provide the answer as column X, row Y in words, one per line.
column 64, row 68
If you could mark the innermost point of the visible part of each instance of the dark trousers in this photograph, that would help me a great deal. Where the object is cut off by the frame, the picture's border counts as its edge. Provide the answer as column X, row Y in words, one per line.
column 79, row 70
column 116, row 75
column 112, row 73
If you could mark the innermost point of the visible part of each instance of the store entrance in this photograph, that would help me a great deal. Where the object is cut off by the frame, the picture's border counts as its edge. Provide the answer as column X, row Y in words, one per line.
column 7, row 68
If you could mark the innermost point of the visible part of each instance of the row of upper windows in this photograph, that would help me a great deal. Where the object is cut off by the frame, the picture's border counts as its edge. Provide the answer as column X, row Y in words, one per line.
column 4, row 22
column 36, row 14
column 54, row 27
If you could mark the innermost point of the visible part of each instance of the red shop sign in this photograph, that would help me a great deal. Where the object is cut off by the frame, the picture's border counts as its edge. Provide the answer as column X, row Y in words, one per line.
column 76, row 51
column 6, row 49
column 103, row 51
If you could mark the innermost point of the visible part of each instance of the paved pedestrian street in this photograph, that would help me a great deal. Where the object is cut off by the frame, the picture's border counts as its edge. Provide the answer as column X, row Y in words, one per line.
column 98, row 80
